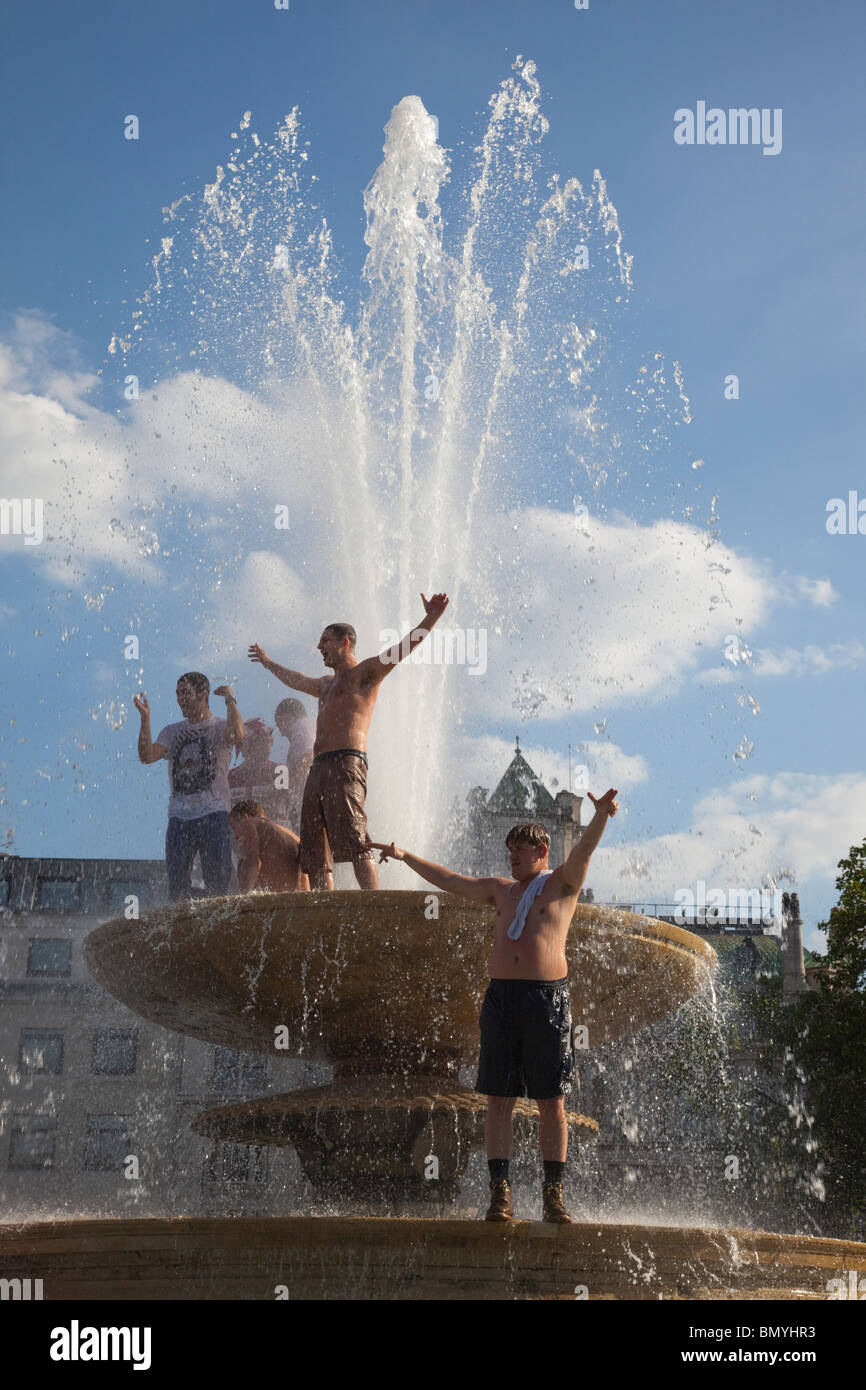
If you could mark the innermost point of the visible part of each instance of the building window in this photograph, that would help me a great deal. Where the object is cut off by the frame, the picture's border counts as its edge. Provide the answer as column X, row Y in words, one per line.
column 237, row 1163
column 114, row 1051
column 107, row 1142
column 93, row 895
column 40, row 1051
column 58, row 895
column 31, row 1141
column 49, row 956
column 4, row 891
column 238, row 1071
column 225, row 1069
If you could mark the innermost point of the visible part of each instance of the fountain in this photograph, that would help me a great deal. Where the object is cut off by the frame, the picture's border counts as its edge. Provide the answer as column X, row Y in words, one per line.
column 319, row 967
column 313, row 970
column 417, row 423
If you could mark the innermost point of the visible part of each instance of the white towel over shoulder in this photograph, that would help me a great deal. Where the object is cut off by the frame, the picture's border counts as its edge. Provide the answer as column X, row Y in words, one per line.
column 526, row 902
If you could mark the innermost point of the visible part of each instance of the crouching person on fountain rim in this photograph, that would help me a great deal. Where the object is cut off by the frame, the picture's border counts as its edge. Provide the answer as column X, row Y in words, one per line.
column 198, row 750
column 526, row 1041
column 268, row 851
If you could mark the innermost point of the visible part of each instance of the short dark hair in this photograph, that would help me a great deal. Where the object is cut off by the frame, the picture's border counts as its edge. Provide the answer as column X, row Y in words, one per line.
column 248, row 807
column 199, row 683
column 528, row 832
column 342, row 630
column 290, row 709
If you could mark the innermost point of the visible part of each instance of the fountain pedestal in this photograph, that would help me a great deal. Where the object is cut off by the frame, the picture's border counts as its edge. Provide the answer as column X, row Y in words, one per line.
column 380, row 1140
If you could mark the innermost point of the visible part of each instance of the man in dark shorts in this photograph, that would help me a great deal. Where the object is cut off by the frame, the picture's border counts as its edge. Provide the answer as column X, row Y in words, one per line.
column 333, row 820
column 526, row 1044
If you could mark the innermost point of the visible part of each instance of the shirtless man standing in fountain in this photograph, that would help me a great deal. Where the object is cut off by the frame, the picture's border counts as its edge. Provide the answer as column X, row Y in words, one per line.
column 333, row 820
column 526, row 1042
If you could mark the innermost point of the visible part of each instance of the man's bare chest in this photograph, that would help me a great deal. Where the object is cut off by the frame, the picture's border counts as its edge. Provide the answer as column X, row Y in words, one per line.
column 338, row 693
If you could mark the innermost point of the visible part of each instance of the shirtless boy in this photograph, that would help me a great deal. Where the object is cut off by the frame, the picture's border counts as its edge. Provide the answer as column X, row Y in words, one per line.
column 268, row 852
column 526, row 1043
column 333, row 820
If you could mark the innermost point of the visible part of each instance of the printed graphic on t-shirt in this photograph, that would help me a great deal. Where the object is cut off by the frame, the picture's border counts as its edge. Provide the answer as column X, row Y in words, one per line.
column 193, row 766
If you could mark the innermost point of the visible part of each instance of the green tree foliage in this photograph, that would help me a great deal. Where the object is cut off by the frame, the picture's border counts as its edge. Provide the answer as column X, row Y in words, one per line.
column 822, row 1037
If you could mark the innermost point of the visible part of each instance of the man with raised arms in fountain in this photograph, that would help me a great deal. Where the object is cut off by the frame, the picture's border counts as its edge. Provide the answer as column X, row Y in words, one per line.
column 198, row 750
column 526, row 1042
column 333, row 820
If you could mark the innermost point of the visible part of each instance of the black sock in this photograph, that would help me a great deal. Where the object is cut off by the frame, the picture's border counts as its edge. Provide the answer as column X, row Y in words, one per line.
column 498, row 1169
column 553, row 1171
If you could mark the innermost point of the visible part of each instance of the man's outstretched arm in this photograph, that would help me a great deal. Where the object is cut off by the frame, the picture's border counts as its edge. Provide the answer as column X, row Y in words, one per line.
column 479, row 890
column 310, row 685
column 575, row 868
column 377, row 667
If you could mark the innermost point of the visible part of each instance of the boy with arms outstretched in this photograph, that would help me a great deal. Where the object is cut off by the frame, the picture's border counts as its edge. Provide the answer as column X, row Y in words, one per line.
column 526, row 1043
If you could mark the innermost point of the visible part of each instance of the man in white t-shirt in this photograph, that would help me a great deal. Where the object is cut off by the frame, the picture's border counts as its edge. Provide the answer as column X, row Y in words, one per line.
column 198, row 750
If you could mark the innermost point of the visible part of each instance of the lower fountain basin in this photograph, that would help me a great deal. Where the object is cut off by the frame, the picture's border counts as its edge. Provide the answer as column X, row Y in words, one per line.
column 245, row 1258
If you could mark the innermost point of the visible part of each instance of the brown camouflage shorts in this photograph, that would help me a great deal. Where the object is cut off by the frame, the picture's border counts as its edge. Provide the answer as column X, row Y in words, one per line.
column 333, row 819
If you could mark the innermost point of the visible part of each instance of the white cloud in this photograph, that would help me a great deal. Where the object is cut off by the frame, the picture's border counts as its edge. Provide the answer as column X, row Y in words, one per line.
column 742, row 836
column 602, row 613
column 196, row 449
column 819, row 592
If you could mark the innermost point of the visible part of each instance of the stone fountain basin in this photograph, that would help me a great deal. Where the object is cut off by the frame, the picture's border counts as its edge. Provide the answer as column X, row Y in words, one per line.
column 369, row 975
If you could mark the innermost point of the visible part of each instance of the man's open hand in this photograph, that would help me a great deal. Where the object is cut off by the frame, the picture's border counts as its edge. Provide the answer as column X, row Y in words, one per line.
column 387, row 851
column 257, row 653
column 434, row 607
column 140, row 702
column 607, row 804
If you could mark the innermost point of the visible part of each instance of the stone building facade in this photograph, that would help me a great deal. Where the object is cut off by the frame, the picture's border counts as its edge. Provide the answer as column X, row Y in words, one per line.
column 95, row 1102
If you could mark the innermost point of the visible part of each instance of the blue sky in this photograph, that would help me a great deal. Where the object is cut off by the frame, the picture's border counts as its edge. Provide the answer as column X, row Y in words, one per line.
column 743, row 263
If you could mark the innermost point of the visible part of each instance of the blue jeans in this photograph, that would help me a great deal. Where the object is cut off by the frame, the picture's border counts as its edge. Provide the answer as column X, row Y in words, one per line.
column 211, row 838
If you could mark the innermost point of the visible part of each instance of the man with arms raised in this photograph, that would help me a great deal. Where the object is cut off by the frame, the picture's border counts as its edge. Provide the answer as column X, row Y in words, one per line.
column 198, row 750
column 333, row 820
column 526, row 1043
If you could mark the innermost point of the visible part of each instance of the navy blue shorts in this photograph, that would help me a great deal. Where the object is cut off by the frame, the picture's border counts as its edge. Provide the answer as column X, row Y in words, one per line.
column 526, row 1043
